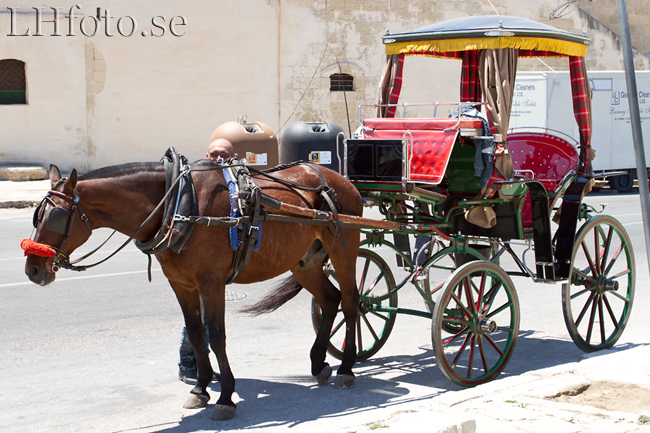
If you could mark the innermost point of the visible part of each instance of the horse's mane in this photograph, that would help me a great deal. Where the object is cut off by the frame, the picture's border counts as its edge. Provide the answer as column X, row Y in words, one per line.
column 122, row 170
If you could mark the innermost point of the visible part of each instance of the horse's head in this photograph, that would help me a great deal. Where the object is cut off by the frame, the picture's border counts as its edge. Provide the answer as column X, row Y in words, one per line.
column 60, row 227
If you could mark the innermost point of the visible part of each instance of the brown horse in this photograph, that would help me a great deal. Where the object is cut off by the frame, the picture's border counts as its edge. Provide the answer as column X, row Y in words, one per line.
column 122, row 197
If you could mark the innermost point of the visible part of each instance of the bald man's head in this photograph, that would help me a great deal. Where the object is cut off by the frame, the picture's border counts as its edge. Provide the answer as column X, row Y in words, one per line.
column 219, row 150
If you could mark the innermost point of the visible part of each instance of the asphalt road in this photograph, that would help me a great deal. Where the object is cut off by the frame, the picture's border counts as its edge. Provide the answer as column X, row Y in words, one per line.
column 97, row 351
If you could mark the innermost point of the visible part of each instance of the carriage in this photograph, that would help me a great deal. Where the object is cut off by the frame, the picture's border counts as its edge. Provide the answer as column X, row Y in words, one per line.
column 471, row 190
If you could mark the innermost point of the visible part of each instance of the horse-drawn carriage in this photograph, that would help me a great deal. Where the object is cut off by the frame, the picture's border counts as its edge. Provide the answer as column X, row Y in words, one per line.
column 469, row 188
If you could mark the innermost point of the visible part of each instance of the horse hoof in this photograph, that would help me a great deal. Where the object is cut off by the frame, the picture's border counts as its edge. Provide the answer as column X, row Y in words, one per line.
column 222, row 412
column 196, row 401
column 324, row 376
column 344, row 381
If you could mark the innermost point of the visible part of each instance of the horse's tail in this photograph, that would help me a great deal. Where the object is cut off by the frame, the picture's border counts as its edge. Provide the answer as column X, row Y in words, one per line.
column 282, row 294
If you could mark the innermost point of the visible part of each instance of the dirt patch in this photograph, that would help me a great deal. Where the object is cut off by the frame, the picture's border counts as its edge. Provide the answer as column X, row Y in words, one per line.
column 611, row 396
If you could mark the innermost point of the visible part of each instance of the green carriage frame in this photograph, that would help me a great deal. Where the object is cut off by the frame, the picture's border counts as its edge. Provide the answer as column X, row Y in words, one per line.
column 474, row 309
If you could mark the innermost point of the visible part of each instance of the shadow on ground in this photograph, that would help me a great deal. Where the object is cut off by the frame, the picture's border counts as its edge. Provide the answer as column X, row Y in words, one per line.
column 382, row 382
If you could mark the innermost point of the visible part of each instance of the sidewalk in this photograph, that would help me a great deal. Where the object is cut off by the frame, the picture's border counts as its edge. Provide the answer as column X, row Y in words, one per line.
column 22, row 186
column 605, row 392
column 22, row 194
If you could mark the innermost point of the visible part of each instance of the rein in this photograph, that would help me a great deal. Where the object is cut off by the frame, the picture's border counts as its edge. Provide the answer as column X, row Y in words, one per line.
column 265, row 173
column 67, row 265
column 61, row 260
column 32, row 247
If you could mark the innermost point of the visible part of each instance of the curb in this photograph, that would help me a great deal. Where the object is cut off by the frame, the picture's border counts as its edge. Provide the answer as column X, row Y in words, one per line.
column 23, row 173
column 18, row 204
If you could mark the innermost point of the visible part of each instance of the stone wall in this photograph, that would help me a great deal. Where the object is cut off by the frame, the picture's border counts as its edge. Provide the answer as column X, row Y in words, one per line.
column 605, row 11
column 317, row 35
column 100, row 100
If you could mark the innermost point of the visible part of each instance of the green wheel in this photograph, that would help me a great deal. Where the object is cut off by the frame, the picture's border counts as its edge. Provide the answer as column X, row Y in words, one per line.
column 597, row 298
column 439, row 267
column 376, row 286
column 475, row 323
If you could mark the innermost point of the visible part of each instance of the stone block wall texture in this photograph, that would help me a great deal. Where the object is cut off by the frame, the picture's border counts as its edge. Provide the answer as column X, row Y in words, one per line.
column 102, row 101
column 347, row 32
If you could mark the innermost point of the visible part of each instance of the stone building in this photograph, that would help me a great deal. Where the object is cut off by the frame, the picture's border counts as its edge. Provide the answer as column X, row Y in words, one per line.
column 106, row 83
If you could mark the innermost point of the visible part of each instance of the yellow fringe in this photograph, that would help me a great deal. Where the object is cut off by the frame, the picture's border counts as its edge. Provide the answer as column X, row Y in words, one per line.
column 567, row 48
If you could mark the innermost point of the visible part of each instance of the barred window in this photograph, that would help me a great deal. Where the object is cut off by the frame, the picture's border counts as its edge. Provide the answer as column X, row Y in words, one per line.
column 12, row 82
column 341, row 82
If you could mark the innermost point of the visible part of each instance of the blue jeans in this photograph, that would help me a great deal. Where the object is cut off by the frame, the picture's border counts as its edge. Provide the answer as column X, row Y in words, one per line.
column 484, row 160
column 186, row 351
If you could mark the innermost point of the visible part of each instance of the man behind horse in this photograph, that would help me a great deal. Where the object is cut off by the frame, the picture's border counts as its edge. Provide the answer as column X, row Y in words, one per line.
column 219, row 150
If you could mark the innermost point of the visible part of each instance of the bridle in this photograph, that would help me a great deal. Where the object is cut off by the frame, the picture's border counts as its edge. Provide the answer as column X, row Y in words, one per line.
column 60, row 222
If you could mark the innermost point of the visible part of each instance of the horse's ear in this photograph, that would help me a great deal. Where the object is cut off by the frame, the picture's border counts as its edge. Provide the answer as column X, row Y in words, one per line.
column 55, row 174
column 71, row 183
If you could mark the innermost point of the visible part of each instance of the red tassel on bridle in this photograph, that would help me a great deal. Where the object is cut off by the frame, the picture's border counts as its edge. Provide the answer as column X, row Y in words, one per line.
column 37, row 249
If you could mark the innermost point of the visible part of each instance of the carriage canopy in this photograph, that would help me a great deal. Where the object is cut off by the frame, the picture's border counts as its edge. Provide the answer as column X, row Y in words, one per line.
column 489, row 47
column 451, row 38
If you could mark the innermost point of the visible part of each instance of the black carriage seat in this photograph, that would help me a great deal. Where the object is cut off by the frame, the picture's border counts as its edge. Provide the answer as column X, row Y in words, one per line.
column 431, row 141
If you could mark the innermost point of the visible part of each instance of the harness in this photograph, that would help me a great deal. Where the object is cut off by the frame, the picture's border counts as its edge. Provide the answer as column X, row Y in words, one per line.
column 174, row 229
column 248, row 211
column 245, row 206
column 180, row 200
column 248, row 207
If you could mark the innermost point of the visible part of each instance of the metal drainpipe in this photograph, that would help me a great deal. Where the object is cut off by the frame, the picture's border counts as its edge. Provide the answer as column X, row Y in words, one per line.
column 637, row 136
column 279, row 67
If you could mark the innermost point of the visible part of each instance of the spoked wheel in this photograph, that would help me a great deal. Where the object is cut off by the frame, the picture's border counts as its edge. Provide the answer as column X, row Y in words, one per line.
column 437, row 270
column 597, row 299
column 475, row 323
column 375, row 283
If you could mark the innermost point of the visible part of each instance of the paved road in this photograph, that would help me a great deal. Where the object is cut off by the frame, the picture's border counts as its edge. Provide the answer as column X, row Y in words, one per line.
column 97, row 351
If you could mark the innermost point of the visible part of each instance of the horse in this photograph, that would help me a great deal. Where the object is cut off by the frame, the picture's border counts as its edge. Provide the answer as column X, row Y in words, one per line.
column 121, row 197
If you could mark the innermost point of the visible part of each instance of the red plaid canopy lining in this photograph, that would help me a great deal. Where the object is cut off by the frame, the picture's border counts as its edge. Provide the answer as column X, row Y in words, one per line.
column 470, row 91
column 470, row 85
column 396, row 86
column 581, row 108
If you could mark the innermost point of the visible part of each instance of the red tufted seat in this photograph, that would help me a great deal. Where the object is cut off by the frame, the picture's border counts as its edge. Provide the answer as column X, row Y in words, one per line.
column 550, row 158
column 430, row 145
column 422, row 124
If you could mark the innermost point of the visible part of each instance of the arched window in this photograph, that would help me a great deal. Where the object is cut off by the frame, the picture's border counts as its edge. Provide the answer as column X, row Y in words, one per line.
column 12, row 82
column 341, row 82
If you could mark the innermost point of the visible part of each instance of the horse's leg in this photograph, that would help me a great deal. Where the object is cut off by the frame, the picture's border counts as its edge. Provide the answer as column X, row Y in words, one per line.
column 191, row 306
column 328, row 297
column 344, row 262
column 214, row 303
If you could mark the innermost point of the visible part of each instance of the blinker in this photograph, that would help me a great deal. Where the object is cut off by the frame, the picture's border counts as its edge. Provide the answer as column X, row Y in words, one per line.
column 38, row 213
column 58, row 220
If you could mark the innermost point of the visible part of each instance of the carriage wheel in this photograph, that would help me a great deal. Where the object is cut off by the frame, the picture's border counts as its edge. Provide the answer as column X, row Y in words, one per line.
column 597, row 299
column 479, row 303
column 376, row 286
column 439, row 267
